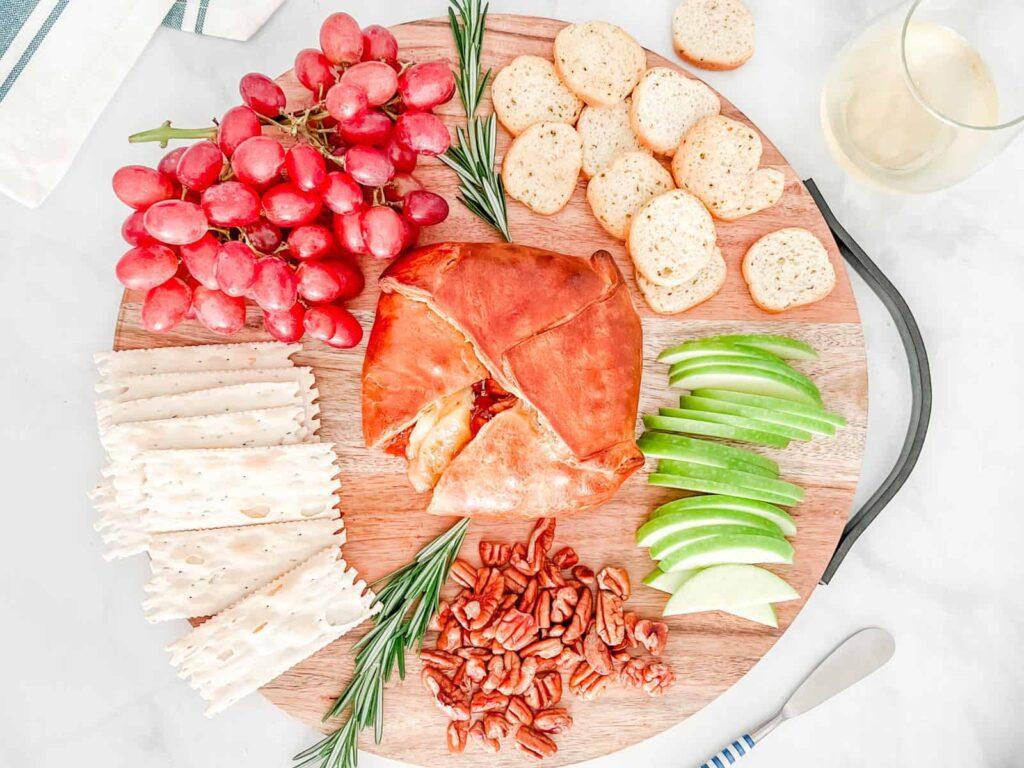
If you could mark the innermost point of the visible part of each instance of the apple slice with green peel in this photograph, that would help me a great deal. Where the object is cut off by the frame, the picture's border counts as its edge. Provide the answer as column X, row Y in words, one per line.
column 719, row 550
column 718, row 503
column 785, row 405
column 739, row 421
column 666, row 546
column 729, row 586
column 710, row 429
column 781, row 346
column 739, row 378
column 660, row 445
column 732, row 477
column 658, row 528
column 683, row 483
column 779, row 418
column 774, row 366
column 713, row 345
column 666, row 582
column 762, row 614
column 670, row 582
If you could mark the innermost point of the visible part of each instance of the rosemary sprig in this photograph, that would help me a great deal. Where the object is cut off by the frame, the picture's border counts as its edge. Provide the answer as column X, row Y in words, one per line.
column 408, row 600
column 472, row 157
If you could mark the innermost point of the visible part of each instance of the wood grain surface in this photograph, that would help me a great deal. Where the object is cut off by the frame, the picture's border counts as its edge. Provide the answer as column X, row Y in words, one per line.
column 386, row 521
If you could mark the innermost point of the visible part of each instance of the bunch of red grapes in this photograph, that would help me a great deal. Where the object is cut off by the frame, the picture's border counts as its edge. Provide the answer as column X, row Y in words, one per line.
column 240, row 216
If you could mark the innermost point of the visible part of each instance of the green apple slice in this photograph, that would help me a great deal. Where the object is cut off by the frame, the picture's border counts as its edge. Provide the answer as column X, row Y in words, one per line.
column 659, row 445
column 701, row 347
column 666, row 582
column 781, row 346
column 719, row 550
column 779, row 418
column 774, row 366
column 729, row 586
column 762, row 614
column 717, row 503
column 666, row 546
column 658, row 528
column 732, row 477
column 739, row 421
column 814, row 411
column 740, row 378
column 710, row 429
column 683, row 483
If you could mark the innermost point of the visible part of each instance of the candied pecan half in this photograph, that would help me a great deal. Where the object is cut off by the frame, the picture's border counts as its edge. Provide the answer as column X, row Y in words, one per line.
column 545, row 692
column 508, row 601
column 632, row 673
column 567, row 660
column 515, row 629
column 556, row 720
column 495, row 674
column 440, row 617
column 586, row 682
column 615, row 580
column 480, row 737
column 488, row 702
column 496, row 726
column 447, row 697
column 563, row 604
column 565, row 558
column 596, row 652
column 529, row 597
column 519, row 676
column 443, row 660
column 584, row 575
column 534, row 743
column 542, row 609
column 518, row 712
column 658, row 678
column 652, row 635
column 450, row 637
column 545, row 649
column 528, row 565
column 609, row 618
column 629, row 620
column 463, row 573
column 475, row 669
column 494, row 553
column 550, row 577
column 516, row 581
column 489, row 593
column 541, row 538
column 581, row 617
column 456, row 735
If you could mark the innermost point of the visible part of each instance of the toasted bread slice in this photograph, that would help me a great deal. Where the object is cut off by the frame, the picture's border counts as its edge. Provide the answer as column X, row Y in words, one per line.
column 667, row 104
column 718, row 161
column 622, row 189
column 606, row 134
column 671, row 238
column 528, row 91
column 713, row 34
column 541, row 166
column 702, row 286
column 600, row 62
column 788, row 268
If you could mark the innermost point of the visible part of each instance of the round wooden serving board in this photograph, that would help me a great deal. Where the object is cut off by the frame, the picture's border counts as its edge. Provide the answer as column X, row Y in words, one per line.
column 385, row 519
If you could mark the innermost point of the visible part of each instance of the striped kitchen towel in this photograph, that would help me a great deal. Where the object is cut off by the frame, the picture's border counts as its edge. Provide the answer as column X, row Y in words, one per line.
column 61, row 61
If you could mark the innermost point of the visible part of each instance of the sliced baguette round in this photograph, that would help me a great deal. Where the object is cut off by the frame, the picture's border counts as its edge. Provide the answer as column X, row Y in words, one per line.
column 622, row 189
column 666, row 105
column 718, row 160
column 599, row 61
column 702, row 286
column 541, row 166
column 788, row 268
column 671, row 238
column 529, row 91
column 713, row 34
column 606, row 133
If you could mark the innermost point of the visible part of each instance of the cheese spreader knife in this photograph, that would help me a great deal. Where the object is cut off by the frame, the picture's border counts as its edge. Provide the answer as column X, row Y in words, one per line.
column 856, row 658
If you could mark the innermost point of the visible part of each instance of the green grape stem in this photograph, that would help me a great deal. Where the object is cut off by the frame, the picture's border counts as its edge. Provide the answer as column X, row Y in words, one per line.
column 165, row 132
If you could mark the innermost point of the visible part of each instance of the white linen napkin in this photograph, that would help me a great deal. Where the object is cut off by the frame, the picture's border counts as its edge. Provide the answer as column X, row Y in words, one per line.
column 61, row 61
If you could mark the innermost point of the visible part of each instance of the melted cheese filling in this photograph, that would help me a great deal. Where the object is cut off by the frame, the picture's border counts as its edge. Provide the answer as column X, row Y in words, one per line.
column 442, row 430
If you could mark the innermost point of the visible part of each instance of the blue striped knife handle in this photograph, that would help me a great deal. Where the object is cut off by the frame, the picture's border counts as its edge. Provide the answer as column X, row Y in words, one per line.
column 731, row 753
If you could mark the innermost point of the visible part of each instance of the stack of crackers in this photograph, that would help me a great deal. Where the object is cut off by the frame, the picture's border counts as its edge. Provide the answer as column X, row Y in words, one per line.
column 216, row 471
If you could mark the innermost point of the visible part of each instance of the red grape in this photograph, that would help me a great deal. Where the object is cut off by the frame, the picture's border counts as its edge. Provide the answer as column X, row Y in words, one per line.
column 274, row 286
column 403, row 158
column 217, row 311
column 342, row 194
column 200, row 166
column 341, row 39
column 369, row 127
column 422, row 132
column 311, row 241
column 262, row 94
column 306, row 167
column 286, row 326
column 375, row 78
column 350, row 277
column 231, row 204
column 369, row 166
column 400, row 186
column 166, row 305
column 263, row 236
column 349, row 233
column 314, row 71
column 380, row 45
column 425, row 208
column 146, row 266
column 410, row 233
column 258, row 161
column 347, row 331
column 288, row 206
column 134, row 231
column 168, row 164
column 237, row 125
column 140, row 187
column 176, row 222
column 200, row 259
column 345, row 101
column 317, row 282
column 334, row 325
column 427, row 85
column 383, row 232
column 235, row 268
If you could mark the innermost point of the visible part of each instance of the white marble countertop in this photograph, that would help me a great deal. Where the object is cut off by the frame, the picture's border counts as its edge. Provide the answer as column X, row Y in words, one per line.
column 85, row 678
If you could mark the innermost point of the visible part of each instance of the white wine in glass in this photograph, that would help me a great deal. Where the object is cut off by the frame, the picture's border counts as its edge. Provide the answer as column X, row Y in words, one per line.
column 928, row 93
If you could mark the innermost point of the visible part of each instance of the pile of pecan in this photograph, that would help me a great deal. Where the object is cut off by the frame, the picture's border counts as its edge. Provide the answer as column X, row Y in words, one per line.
column 523, row 623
